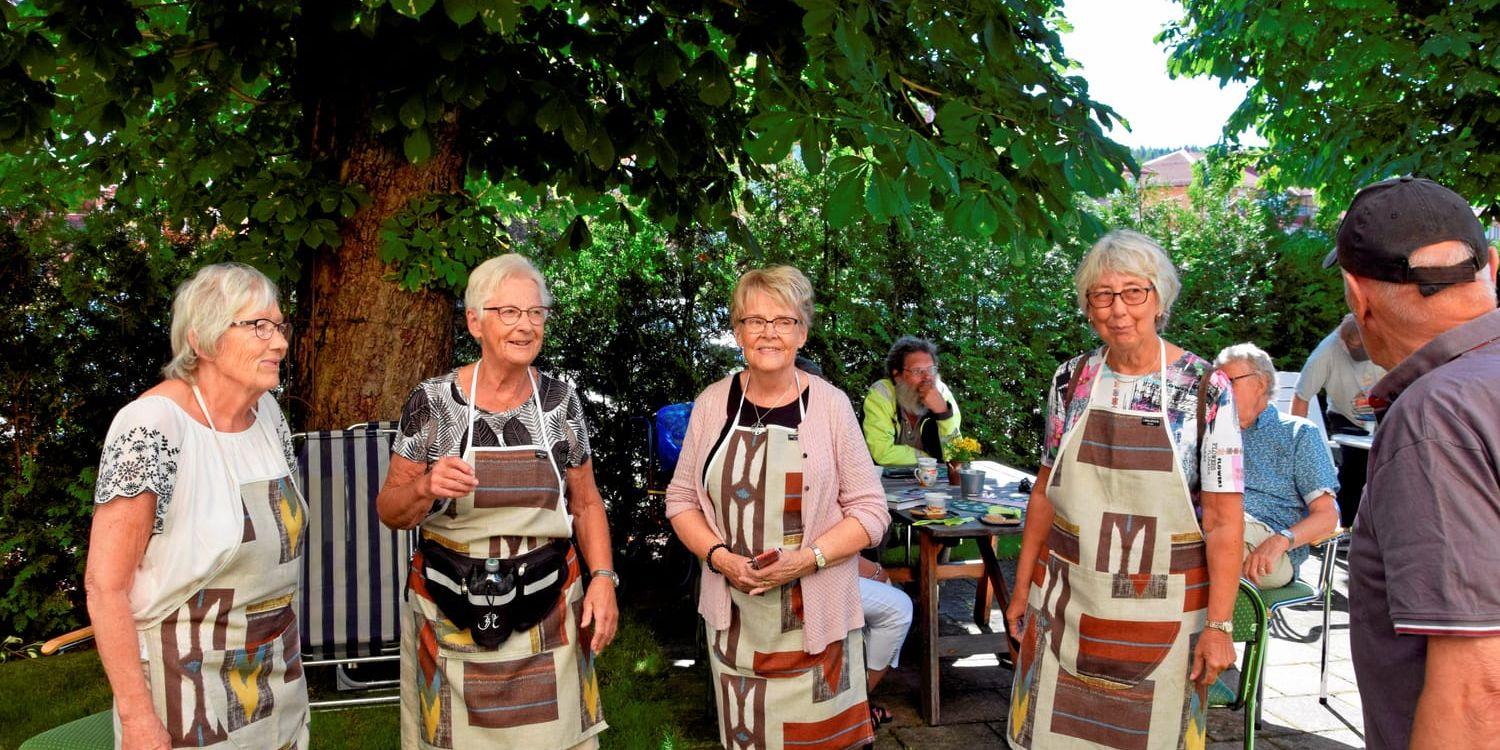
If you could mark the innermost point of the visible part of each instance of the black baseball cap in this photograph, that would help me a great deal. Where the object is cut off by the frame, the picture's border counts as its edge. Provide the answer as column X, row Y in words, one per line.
column 1389, row 220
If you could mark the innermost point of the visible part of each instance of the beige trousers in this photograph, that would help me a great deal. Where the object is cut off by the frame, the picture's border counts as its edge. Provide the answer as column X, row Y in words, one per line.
column 1255, row 533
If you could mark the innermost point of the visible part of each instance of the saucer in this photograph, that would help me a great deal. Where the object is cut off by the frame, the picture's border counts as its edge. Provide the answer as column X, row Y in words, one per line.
column 999, row 520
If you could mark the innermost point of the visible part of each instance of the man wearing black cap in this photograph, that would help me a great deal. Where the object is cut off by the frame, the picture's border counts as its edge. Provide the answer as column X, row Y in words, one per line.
column 1424, row 565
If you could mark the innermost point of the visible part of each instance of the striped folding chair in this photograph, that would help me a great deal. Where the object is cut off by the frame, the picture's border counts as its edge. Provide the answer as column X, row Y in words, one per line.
column 354, row 571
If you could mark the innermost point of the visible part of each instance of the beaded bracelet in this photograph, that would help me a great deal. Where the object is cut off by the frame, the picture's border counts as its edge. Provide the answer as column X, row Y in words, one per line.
column 708, row 559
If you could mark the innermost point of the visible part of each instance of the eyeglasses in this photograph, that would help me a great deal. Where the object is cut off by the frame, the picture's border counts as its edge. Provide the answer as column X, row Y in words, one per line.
column 933, row 370
column 1133, row 295
column 783, row 326
column 264, row 326
column 1242, row 377
column 511, row 314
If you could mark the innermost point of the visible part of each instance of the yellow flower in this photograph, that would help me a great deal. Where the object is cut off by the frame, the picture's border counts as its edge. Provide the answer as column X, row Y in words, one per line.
column 963, row 449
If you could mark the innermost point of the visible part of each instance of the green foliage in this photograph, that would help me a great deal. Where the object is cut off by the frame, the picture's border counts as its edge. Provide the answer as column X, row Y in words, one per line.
column 1347, row 93
column 86, row 309
column 246, row 124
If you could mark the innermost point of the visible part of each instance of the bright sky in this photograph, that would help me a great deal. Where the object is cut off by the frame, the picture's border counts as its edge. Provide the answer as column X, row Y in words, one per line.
column 1112, row 40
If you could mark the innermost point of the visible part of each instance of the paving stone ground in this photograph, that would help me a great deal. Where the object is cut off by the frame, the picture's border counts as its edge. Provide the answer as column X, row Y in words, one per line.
column 976, row 690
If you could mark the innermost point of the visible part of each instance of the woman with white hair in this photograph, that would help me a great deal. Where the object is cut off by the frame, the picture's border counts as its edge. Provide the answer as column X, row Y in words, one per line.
column 197, row 536
column 1123, row 598
column 492, row 465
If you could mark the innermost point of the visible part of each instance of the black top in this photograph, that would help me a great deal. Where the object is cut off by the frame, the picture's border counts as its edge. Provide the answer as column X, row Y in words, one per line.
column 788, row 416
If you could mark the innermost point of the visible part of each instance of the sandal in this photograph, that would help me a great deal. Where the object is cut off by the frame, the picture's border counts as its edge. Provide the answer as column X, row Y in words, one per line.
column 879, row 715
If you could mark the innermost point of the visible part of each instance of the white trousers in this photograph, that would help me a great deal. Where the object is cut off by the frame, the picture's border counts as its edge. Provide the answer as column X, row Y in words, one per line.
column 887, row 619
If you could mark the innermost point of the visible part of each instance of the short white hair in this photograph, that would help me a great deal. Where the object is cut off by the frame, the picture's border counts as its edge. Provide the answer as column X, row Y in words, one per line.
column 1259, row 361
column 1134, row 254
column 1405, row 300
column 204, row 307
column 489, row 275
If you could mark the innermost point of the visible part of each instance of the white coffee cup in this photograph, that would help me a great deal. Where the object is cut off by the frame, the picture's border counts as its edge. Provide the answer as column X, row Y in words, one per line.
column 926, row 472
column 937, row 502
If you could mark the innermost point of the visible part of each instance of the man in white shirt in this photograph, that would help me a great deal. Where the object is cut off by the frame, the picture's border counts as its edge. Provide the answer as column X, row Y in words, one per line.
column 1340, row 367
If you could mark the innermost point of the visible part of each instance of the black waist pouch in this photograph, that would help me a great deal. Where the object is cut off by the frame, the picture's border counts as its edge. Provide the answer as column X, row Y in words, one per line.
column 494, row 597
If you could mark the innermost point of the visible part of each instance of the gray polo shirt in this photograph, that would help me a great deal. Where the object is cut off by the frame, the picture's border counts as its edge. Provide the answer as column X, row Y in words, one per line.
column 1425, row 560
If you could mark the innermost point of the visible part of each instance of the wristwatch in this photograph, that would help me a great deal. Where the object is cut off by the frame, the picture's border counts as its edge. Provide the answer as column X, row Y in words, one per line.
column 818, row 558
column 1290, row 540
column 610, row 574
column 1226, row 626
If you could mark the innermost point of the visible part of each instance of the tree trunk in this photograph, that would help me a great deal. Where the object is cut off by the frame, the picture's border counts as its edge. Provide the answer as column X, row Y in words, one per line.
column 368, row 341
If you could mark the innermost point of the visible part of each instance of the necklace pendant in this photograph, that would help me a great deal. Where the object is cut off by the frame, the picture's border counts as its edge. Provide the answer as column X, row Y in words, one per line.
column 757, row 429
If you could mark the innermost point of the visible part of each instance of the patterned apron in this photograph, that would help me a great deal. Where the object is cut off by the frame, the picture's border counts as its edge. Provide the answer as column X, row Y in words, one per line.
column 225, row 668
column 771, row 694
column 1119, row 595
column 538, row 689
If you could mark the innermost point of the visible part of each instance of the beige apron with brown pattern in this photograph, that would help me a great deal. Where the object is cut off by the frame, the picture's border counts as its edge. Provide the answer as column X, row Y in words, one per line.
column 771, row 694
column 225, row 669
column 1119, row 595
column 538, row 689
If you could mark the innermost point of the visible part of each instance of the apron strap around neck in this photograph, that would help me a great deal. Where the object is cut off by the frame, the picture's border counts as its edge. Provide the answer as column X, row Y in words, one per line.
column 473, row 410
column 1161, row 344
column 214, row 430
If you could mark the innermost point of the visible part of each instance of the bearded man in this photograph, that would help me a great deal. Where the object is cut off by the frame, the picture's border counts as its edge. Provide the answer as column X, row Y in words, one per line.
column 911, row 413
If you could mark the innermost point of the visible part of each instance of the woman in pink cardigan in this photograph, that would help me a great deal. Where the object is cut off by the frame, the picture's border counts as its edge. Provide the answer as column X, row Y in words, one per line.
column 776, row 493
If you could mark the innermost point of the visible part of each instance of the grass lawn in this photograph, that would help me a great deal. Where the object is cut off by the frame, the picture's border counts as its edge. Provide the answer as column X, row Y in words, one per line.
column 648, row 702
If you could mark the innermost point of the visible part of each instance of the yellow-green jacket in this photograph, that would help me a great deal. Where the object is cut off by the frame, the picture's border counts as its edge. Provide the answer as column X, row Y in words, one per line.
column 880, row 424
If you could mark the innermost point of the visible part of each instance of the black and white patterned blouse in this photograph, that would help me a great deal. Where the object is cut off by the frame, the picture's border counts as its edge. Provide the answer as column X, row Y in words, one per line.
column 433, row 423
column 153, row 445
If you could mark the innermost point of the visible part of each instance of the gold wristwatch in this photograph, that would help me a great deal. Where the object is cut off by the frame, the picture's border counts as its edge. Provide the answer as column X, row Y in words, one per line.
column 818, row 558
column 1227, row 626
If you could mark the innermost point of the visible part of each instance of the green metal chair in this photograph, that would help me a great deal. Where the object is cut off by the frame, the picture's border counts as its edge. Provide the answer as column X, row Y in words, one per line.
column 1250, row 620
column 1253, row 609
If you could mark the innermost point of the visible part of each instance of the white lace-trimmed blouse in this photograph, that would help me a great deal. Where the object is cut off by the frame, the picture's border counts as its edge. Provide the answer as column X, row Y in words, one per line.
column 154, row 446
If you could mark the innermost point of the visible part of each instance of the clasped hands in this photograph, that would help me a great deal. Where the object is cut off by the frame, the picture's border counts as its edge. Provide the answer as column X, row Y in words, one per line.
column 738, row 571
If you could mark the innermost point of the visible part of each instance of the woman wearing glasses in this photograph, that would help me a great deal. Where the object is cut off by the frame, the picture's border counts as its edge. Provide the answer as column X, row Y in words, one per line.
column 492, row 465
column 197, row 535
column 776, row 493
column 1130, row 558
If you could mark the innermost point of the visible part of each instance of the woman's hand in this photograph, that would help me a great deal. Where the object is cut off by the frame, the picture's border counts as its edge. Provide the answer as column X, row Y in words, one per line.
column 735, row 569
column 1214, row 654
column 1262, row 560
column 449, row 477
column 789, row 567
column 1013, row 615
column 600, row 610
column 144, row 732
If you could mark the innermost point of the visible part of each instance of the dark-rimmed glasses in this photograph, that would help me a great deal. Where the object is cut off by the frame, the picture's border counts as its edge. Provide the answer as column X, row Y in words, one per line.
column 263, row 328
column 784, row 326
column 510, row 314
column 1133, row 295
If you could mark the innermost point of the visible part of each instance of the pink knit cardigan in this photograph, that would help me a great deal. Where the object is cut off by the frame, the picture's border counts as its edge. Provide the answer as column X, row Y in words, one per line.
column 841, row 481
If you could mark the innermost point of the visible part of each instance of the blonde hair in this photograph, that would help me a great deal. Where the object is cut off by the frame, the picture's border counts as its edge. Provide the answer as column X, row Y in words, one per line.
column 1132, row 253
column 489, row 275
column 205, row 305
column 785, row 284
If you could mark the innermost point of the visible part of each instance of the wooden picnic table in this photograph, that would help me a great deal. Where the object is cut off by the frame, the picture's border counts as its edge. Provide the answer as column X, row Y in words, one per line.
column 1001, row 486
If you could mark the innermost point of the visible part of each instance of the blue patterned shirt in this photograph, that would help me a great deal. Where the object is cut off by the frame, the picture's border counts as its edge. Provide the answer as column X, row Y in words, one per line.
column 1287, row 466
